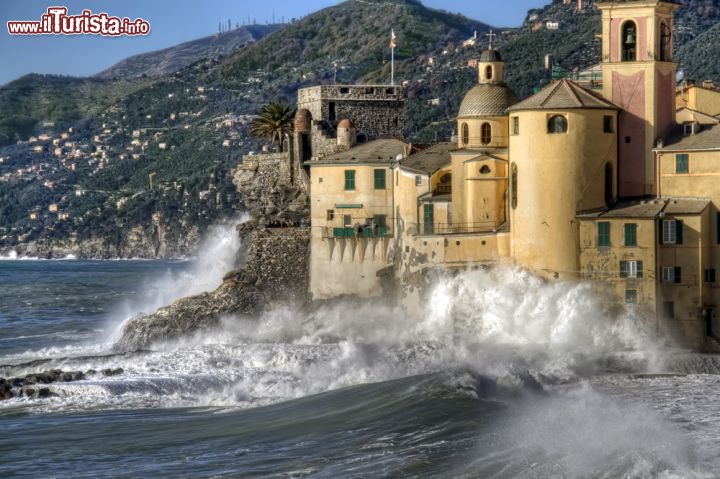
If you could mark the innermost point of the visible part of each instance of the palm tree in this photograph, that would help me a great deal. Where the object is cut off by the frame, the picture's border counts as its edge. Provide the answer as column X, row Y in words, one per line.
column 274, row 122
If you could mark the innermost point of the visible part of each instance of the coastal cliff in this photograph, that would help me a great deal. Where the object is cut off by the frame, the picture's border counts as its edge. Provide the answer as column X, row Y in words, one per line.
column 273, row 258
column 154, row 241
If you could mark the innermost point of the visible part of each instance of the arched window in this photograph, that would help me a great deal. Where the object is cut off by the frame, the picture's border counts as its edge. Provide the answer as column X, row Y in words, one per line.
column 513, row 186
column 665, row 43
column 488, row 72
column 485, row 133
column 444, row 184
column 557, row 124
column 465, row 135
column 361, row 138
column 629, row 42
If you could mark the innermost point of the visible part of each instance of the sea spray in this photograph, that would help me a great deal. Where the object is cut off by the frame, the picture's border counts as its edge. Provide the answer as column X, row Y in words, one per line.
column 502, row 323
column 217, row 254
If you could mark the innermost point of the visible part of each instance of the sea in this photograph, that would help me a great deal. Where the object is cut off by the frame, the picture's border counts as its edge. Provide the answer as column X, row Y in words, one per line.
column 495, row 374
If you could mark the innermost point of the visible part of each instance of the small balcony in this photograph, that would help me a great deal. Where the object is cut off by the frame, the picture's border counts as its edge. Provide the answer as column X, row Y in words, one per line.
column 442, row 189
column 424, row 229
column 356, row 232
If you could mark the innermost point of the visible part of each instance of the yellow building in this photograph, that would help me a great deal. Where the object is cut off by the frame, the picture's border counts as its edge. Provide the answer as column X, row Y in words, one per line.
column 352, row 216
column 620, row 188
column 656, row 254
column 704, row 98
column 563, row 160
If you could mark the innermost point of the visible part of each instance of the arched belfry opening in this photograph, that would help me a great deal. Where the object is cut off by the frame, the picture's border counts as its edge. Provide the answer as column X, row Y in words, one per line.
column 628, row 40
column 665, row 43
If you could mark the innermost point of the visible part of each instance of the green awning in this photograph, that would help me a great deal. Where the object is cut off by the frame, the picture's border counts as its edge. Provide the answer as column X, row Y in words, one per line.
column 348, row 207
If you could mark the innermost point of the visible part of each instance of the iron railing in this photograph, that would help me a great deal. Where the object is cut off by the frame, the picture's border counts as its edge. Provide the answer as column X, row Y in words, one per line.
column 356, row 232
column 453, row 228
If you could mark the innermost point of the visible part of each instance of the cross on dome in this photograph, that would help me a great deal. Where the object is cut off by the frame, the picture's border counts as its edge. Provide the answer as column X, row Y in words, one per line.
column 490, row 36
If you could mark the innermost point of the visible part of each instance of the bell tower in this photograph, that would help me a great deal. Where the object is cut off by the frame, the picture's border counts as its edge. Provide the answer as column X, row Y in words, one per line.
column 639, row 76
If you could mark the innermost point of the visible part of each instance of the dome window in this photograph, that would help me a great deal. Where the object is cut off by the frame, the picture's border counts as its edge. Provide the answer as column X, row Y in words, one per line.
column 488, row 72
column 485, row 133
column 465, row 135
column 485, row 170
column 557, row 124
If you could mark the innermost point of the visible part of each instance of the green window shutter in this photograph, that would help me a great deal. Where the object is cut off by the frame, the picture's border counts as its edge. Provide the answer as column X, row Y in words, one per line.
column 682, row 164
column 349, row 180
column 639, row 269
column 603, row 233
column 623, row 269
column 379, row 179
column 429, row 218
column 630, row 234
column 678, row 232
column 678, row 274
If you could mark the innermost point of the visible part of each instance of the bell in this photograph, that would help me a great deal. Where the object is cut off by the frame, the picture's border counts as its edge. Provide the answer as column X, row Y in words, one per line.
column 630, row 38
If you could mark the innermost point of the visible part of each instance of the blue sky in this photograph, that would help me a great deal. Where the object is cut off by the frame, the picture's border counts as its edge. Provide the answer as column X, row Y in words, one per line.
column 173, row 22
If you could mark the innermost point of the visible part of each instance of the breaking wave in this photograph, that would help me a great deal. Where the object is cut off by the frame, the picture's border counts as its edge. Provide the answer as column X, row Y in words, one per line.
column 518, row 373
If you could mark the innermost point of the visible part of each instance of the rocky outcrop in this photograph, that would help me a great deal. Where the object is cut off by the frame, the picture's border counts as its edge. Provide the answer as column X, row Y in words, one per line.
column 272, row 189
column 275, row 271
column 274, row 257
column 33, row 386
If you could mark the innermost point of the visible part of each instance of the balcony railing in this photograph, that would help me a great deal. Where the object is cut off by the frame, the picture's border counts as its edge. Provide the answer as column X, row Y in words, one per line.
column 351, row 232
column 443, row 189
column 453, row 228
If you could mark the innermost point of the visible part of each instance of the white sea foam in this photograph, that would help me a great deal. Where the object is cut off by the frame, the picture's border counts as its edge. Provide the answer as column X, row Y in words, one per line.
column 503, row 323
column 217, row 255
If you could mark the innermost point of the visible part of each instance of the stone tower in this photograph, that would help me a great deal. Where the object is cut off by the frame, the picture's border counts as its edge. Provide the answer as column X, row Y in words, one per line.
column 639, row 76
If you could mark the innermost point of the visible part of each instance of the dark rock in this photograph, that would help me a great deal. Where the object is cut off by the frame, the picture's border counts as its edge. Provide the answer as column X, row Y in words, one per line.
column 5, row 390
column 112, row 372
column 45, row 377
column 71, row 376
column 44, row 393
column 36, row 393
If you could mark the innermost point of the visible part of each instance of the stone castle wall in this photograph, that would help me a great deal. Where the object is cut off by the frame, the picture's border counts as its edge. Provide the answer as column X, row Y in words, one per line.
column 376, row 110
column 278, row 259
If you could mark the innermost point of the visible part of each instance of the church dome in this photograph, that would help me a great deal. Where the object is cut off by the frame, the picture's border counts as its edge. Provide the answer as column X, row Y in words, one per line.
column 490, row 56
column 487, row 99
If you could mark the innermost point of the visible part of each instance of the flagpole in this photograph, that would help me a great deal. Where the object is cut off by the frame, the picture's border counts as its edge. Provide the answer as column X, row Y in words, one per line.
column 392, row 66
column 392, row 57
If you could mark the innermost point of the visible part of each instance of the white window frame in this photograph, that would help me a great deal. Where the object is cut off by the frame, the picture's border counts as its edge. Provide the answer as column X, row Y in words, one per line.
column 669, row 232
column 632, row 271
column 668, row 274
